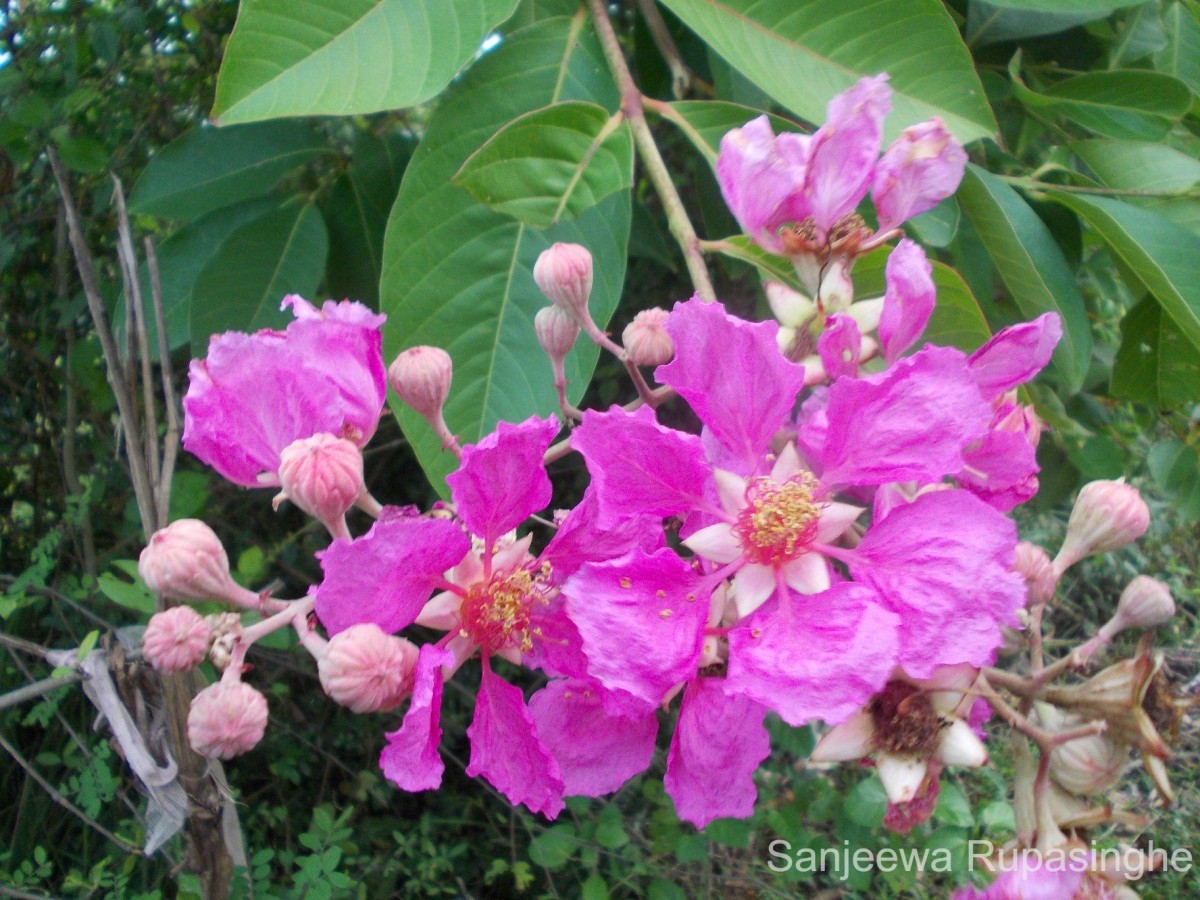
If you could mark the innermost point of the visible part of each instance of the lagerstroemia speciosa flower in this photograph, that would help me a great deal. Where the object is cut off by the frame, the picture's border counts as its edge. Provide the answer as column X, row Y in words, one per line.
column 255, row 394
column 496, row 600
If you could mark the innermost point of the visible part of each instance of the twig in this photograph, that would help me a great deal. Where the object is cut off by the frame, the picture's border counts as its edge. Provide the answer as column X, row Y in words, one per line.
column 681, row 76
column 64, row 802
column 170, row 445
column 36, row 689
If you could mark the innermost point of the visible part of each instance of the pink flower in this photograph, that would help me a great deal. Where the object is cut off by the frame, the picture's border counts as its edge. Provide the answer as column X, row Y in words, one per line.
column 226, row 719
column 918, row 170
column 257, row 393
column 175, row 639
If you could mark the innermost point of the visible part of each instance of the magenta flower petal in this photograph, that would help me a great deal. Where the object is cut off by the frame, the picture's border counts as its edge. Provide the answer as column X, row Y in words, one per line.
column 641, row 621
column 919, row 170
column 638, row 467
column 505, row 748
column 1001, row 470
column 746, row 398
column 597, row 752
column 1016, row 354
column 840, row 347
column 502, row 479
column 909, row 300
column 558, row 650
column 844, row 150
column 849, row 642
column 909, row 422
column 719, row 741
column 386, row 575
column 943, row 564
column 411, row 758
column 759, row 183
column 580, row 538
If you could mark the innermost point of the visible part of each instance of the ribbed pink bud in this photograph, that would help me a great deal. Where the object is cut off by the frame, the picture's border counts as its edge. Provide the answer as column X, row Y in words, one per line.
column 1107, row 515
column 646, row 340
column 1087, row 765
column 175, row 639
column 421, row 376
column 1033, row 564
column 186, row 561
column 1144, row 603
column 226, row 719
column 323, row 475
column 564, row 273
column 556, row 331
column 367, row 670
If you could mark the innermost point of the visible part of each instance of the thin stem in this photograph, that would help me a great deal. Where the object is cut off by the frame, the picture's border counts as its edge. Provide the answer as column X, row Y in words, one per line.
column 681, row 77
column 170, row 445
column 656, row 168
column 562, row 448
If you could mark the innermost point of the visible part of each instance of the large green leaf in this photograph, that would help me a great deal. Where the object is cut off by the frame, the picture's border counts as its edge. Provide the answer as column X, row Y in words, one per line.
column 552, row 164
column 991, row 21
column 260, row 263
column 1175, row 468
column 312, row 57
column 356, row 212
column 1137, row 165
column 1131, row 103
column 209, row 168
column 1155, row 363
column 459, row 275
column 181, row 259
column 1162, row 256
column 804, row 52
column 1181, row 56
column 1030, row 264
column 705, row 122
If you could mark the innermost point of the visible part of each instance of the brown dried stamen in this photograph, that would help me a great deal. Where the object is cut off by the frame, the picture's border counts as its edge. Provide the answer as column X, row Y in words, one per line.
column 905, row 720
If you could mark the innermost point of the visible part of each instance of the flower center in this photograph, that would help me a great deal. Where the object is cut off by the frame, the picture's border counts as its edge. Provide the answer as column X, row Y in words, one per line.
column 905, row 720
column 496, row 614
column 780, row 520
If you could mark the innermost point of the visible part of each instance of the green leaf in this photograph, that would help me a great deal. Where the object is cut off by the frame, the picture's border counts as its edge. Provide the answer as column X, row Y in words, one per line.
column 610, row 829
column 804, row 52
column 459, row 275
column 1181, row 56
column 1141, row 34
column 705, row 122
column 82, row 154
column 1134, row 165
column 938, row 226
column 1008, row 20
column 595, row 888
column 1162, row 256
column 866, row 803
column 1175, row 468
column 135, row 596
column 260, row 263
column 552, row 164
column 356, row 213
column 1132, row 103
column 953, row 808
column 309, row 57
column 770, row 266
column 1155, row 363
column 1031, row 265
column 181, row 259
column 209, row 168
column 554, row 846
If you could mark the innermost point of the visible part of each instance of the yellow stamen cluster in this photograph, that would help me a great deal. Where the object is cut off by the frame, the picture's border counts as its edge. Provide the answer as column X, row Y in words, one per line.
column 780, row 520
column 496, row 614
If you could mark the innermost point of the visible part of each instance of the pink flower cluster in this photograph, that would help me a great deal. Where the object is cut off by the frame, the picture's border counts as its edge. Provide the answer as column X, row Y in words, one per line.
column 842, row 539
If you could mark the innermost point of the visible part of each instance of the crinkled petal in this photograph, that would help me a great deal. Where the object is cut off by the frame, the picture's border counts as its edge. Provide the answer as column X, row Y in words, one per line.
column 506, row 750
column 580, row 538
column 919, row 170
column 641, row 621
column 844, row 150
column 1001, row 470
column 909, row 300
column 943, row 564
column 908, row 423
column 387, row 575
column 759, row 183
column 639, row 467
column 744, row 399
column 596, row 751
column 840, row 347
column 1016, row 354
column 719, row 741
column 502, row 479
column 411, row 758
column 557, row 650
column 820, row 656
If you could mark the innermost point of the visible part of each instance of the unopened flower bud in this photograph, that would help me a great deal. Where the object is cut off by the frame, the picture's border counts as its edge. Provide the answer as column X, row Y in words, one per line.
column 1107, row 515
column 186, row 561
column 1144, row 603
column 1033, row 564
column 421, row 377
column 646, row 340
column 556, row 331
column 367, row 670
column 1088, row 765
column 175, row 639
column 226, row 719
column 323, row 475
column 564, row 274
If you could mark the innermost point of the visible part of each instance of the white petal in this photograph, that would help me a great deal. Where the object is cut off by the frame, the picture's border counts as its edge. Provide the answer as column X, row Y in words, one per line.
column 835, row 519
column 789, row 306
column 510, row 556
column 787, row 465
column 959, row 746
column 752, row 585
column 852, row 739
column 866, row 314
column 901, row 775
column 732, row 490
column 716, row 542
column 807, row 574
column 441, row 612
